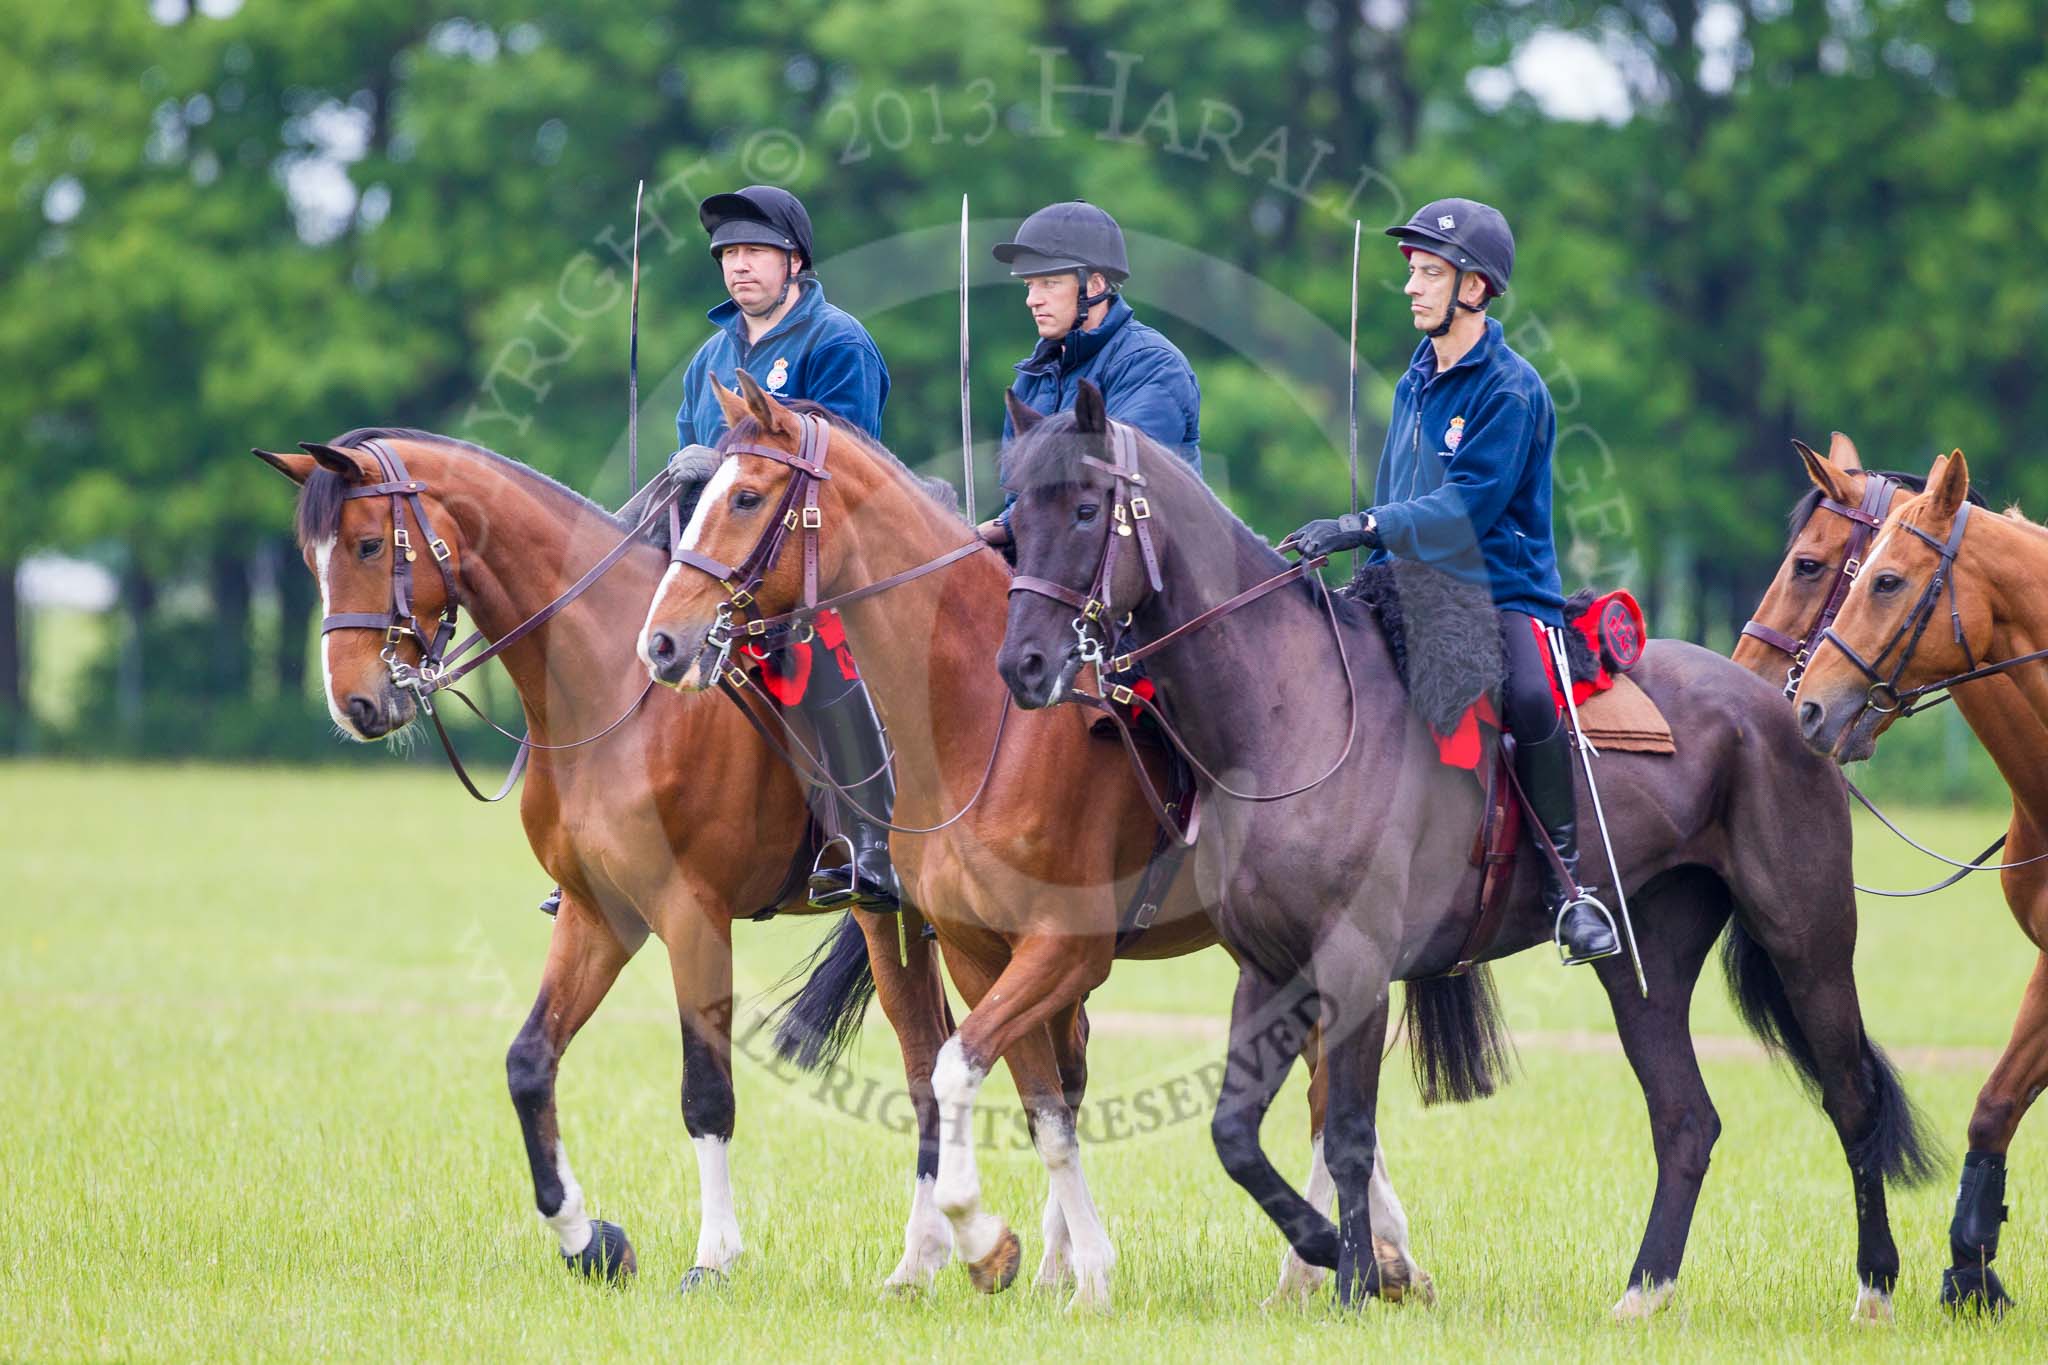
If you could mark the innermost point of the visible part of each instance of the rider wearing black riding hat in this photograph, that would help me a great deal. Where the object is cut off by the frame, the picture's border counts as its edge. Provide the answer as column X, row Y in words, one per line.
column 1464, row 485
column 1071, row 258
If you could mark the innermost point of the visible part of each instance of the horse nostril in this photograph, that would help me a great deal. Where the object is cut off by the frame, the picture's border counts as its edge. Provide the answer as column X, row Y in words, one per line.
column 1811, row 714
column 662, row 646
column 362, row 713
column 1031, row 667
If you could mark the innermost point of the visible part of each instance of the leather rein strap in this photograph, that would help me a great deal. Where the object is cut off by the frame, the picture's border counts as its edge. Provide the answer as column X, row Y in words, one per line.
column 1864, row 519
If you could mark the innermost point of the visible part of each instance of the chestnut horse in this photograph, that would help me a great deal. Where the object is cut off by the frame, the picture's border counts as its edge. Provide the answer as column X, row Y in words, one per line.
column 1994, row 587
column 676, row 823
column 1271, row 680
column 1025, row 887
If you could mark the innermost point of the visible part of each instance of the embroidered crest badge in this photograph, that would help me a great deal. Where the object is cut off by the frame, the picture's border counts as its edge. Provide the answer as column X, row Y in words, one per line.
column 1454, row 433
column 779, row 375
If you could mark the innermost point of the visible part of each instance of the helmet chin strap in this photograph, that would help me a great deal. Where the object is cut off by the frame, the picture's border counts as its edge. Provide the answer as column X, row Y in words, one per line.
column 1085, row 301
column 1451, row 309
column 788, row 278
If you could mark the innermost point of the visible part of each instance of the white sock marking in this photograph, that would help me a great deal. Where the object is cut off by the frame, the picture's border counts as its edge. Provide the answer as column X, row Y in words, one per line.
column 958, row 1192
column 1089, row 1254
column 927, row 1240
column 570, row 1223
column 718, row 1234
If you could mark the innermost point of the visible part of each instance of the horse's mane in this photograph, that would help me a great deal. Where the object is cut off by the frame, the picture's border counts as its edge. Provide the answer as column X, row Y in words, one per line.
column 1802, row 511
column 321, row 497
column 938, row 490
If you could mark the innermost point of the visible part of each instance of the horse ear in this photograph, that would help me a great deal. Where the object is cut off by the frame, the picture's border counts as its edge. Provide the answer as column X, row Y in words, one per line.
column 1948, row 483
column 730, row 403
column 765, row 409
column 335, row 460
column 1091, row 416
column 297, row 468
column 1830, row 480
column 1023, row 416
column 1842, row 453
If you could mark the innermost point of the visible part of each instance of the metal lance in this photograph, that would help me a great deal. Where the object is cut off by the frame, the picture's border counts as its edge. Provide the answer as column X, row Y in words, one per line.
column 1357, row 227
column 1586, row 751
column 966, row 420
column 633, row 360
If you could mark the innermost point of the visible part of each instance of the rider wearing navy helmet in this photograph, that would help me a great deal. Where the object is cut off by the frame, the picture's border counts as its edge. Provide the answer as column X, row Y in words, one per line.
column 1071, row 258
column 777, row 326
column 1464, row 486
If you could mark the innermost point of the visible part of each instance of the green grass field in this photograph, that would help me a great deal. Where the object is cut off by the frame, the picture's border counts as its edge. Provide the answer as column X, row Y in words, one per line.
column 255, row 1108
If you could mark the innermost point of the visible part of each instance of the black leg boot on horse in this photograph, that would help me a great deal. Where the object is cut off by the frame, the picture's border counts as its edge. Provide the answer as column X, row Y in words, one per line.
column 1543, row 769
column 856, row 754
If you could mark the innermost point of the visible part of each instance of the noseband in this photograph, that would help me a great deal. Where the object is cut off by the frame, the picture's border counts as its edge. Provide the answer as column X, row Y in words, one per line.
column 402, row 620
column 1864, row 521
column 1884, row 695
column 1131, row 516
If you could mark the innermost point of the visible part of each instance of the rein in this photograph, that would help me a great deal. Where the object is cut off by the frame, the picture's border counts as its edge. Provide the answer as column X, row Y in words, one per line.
column 437, row 670
column 799, row 512
column 1864, row 519
column 1132, row 519
column 1885, row 697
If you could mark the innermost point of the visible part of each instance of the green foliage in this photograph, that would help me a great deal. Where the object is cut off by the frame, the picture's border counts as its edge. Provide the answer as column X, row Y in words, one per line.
column 1830, row 221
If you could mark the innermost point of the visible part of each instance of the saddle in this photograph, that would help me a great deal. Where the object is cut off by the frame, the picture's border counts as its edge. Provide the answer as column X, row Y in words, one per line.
column 1443, row 634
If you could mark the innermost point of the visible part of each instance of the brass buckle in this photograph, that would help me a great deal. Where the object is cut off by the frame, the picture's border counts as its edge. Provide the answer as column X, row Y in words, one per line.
column 1140, row 509
column 789, row 520
column 1093, row 611
column 741, row 597
column 1120, row 664
column 757, row 627
column 1851, row 567
column 813, row 518
column 404, row 542
column 440, row 549
column 394, row 632
column 736, row 676
column 1121, row 695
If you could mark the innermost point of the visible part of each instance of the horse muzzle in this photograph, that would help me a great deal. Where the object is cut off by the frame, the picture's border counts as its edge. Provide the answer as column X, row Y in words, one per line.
column 367, row 716
column 1035, row 679
column 680, row 657
column 1841, row 727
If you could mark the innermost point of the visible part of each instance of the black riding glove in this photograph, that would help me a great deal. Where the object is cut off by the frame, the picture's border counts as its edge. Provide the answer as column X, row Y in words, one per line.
column 1333, row 534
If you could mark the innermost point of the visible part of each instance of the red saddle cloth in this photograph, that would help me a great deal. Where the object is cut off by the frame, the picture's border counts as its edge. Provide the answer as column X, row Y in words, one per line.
column 786, row 671
column 1465, row 744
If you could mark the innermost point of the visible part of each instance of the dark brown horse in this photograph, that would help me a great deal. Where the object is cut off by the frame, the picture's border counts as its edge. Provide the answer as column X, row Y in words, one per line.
column 1330, row 897
column 1025, row 889
column 1995, row 585
column 675, row 824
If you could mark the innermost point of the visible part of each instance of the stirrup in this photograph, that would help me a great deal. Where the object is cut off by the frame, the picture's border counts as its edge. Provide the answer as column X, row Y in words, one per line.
column 1572, row 902
column 849, row 896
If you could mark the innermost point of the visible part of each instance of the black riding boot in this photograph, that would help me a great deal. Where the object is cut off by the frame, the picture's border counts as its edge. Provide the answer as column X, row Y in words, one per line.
column 1544, row 769
column 850, row 741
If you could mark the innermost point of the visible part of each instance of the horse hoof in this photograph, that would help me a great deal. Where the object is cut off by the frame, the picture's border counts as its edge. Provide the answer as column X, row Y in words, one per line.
column 1974, row 1289
column 701, row 1277
column 607, row 1256
column 1644, row 1301
column 995, row 1272
column 1873, row 1307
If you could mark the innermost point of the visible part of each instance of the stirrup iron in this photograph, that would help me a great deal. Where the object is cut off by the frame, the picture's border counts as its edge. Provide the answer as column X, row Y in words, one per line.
column 1580, row 897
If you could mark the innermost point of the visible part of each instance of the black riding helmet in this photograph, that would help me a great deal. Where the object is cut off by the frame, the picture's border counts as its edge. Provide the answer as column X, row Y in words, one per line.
column 1071, row 235
column 1472, row 236
column 762, row 214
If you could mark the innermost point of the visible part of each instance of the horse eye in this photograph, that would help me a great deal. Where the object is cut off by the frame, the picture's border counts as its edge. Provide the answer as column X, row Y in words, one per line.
column 1888, row 582
column 370, row 548
column 1086, row 512
column 746, row 500
column 1806, row 568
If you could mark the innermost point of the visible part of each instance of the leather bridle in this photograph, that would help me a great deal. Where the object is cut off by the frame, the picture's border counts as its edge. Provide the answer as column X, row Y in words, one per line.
column 438, row 669
column 1131, row 518
column 1864, row 520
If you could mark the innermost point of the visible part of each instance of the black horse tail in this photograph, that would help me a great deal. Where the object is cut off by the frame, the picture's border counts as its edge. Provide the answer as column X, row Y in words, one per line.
column 1899, row 1147
column 821, row 1018
column 1457, row 1036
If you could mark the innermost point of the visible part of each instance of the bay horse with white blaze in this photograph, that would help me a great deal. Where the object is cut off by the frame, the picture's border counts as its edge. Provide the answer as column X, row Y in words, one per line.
column 675, row 822
column 1020, row 836
column 1328, row 898
column 1949, row 590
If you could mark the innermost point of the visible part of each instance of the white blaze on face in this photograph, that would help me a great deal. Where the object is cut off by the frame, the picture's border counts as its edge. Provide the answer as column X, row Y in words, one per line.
column 714, row 492
column 323, row 556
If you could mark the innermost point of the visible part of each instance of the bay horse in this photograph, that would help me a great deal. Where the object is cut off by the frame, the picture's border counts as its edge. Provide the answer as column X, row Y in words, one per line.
column 676, row 823
column 1976, row 599
column 1330, row 896
column 1024, row 888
